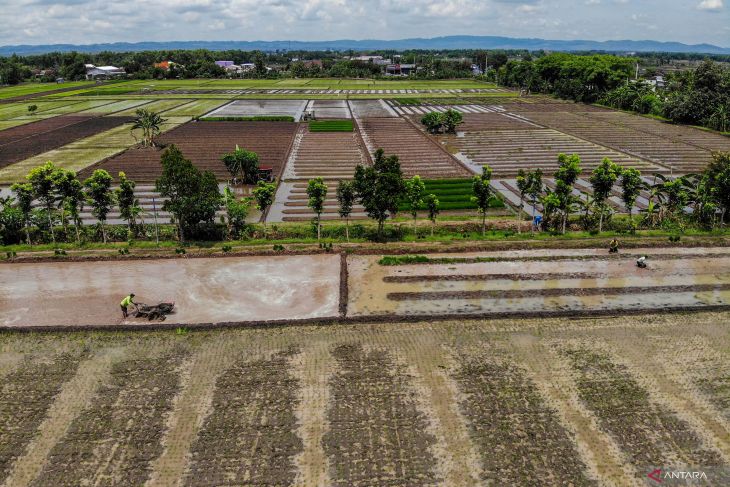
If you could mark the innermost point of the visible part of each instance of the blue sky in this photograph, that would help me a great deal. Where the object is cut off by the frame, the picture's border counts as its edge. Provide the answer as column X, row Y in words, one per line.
column 92, row 21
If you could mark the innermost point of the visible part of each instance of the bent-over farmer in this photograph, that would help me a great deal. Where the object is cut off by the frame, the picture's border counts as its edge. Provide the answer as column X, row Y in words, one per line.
column 126, row 303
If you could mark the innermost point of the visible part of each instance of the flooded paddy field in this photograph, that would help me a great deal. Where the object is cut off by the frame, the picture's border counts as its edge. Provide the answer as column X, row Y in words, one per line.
column 534, row 281
column 550, row 401
column 204, row 290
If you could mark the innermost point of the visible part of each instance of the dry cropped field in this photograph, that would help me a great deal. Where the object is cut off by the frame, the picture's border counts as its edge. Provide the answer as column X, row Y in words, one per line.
column 205, row 143
column 499, row 402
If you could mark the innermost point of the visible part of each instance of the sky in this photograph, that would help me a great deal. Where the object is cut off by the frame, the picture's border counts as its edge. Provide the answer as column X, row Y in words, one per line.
column 100, row 21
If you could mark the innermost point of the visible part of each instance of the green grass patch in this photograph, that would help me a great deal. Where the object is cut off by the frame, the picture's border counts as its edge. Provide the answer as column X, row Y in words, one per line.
column 403, row 259
column 453, row 194
column 331, row 126
column 258, row 118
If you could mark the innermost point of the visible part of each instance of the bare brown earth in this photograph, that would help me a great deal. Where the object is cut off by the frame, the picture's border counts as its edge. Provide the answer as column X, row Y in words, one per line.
column 204, row 143
column 19, row 143
column 483, row 402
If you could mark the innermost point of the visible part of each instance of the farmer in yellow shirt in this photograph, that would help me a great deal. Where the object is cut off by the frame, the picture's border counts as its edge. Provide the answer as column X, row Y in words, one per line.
column 126, row 302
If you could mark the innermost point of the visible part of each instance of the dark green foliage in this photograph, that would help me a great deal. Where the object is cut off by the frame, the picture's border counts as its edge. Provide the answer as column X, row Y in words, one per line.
column 100, row 196
column 193, row 195
column 242, row 163
column 380, row 188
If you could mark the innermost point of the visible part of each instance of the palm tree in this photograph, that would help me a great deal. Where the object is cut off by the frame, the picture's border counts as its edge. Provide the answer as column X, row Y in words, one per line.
column 149, row 123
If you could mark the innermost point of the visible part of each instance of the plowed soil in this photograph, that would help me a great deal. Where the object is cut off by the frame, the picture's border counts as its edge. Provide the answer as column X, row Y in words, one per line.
column 205, row 143
column 29, row 140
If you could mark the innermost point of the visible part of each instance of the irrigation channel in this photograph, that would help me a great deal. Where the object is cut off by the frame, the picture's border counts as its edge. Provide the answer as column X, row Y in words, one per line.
column 330, row 287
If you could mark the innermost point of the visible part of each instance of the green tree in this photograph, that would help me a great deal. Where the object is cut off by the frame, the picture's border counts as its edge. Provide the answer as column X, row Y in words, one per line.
column 68, row 188
column 550, row 206
column 149, row 123
column 24, row 197
column 126, row 200
column 42, row 180
column 433, row 122
column 379, row 187
column 193, row 196
column 243, row 162
column 345, row 201
column 602, row 180
column 565, row 177
column 483, row 194
column 523, row 185
column 264, row 196
column 535, row 188
column 432, row 206
column 259, row 64
column 415, row 189
column 631, row 186
column 236, row 212
column 11, row 221
column 317, row 193
column 100, row 196
column 32, row 109
column 452, row 119
column 718, row 175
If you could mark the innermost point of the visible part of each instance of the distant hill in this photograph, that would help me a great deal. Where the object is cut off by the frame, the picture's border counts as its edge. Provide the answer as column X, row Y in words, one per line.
column 436, row 43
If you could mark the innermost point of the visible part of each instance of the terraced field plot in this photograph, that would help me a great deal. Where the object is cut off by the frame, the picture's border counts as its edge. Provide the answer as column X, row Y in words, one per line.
column 490, row 402
column 337, row 109
column 194, row 108
column 660, row 150
column 418, row 154
column 525, row 282
column 507, row 151
column 26, row 141
column 371, row 109
column 85, row 152
column 267, row 108
column 205, row 143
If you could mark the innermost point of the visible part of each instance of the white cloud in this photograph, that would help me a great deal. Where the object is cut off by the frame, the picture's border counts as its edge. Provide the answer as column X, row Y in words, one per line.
column 712, row 5
column 94, row 21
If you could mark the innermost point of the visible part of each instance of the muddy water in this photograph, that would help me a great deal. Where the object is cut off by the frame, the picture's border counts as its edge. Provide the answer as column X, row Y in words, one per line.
column 204, row 290
column 445, row 292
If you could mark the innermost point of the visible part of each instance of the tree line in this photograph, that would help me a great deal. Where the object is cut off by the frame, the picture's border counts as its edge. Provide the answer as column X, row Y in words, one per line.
column 698, row 96
column 47, row 207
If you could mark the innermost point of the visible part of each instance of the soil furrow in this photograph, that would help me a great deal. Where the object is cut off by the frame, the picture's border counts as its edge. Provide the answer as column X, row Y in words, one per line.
column 26, row 394
column 654, row 436
column 250, row 435
column 376, row 430
column 532, row 293
column 117, row 436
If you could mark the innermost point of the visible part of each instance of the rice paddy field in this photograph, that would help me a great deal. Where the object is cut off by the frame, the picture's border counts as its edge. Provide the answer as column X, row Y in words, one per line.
column 501, row 129
column 499, row 402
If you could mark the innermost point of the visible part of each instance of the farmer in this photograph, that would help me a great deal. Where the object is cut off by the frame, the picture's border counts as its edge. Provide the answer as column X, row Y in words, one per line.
column 126, row 302
column 613, row 247
column 641, row 262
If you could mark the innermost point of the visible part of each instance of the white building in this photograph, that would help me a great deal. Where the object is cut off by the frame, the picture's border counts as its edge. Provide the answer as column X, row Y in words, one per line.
column 103, row 72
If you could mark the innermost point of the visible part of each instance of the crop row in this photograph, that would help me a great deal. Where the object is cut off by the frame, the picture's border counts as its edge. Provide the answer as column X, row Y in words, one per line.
column 519, row 437
column 648, row 433
column 250, row 436
column 114, row 440
column 25, row 396
column 376, row 434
